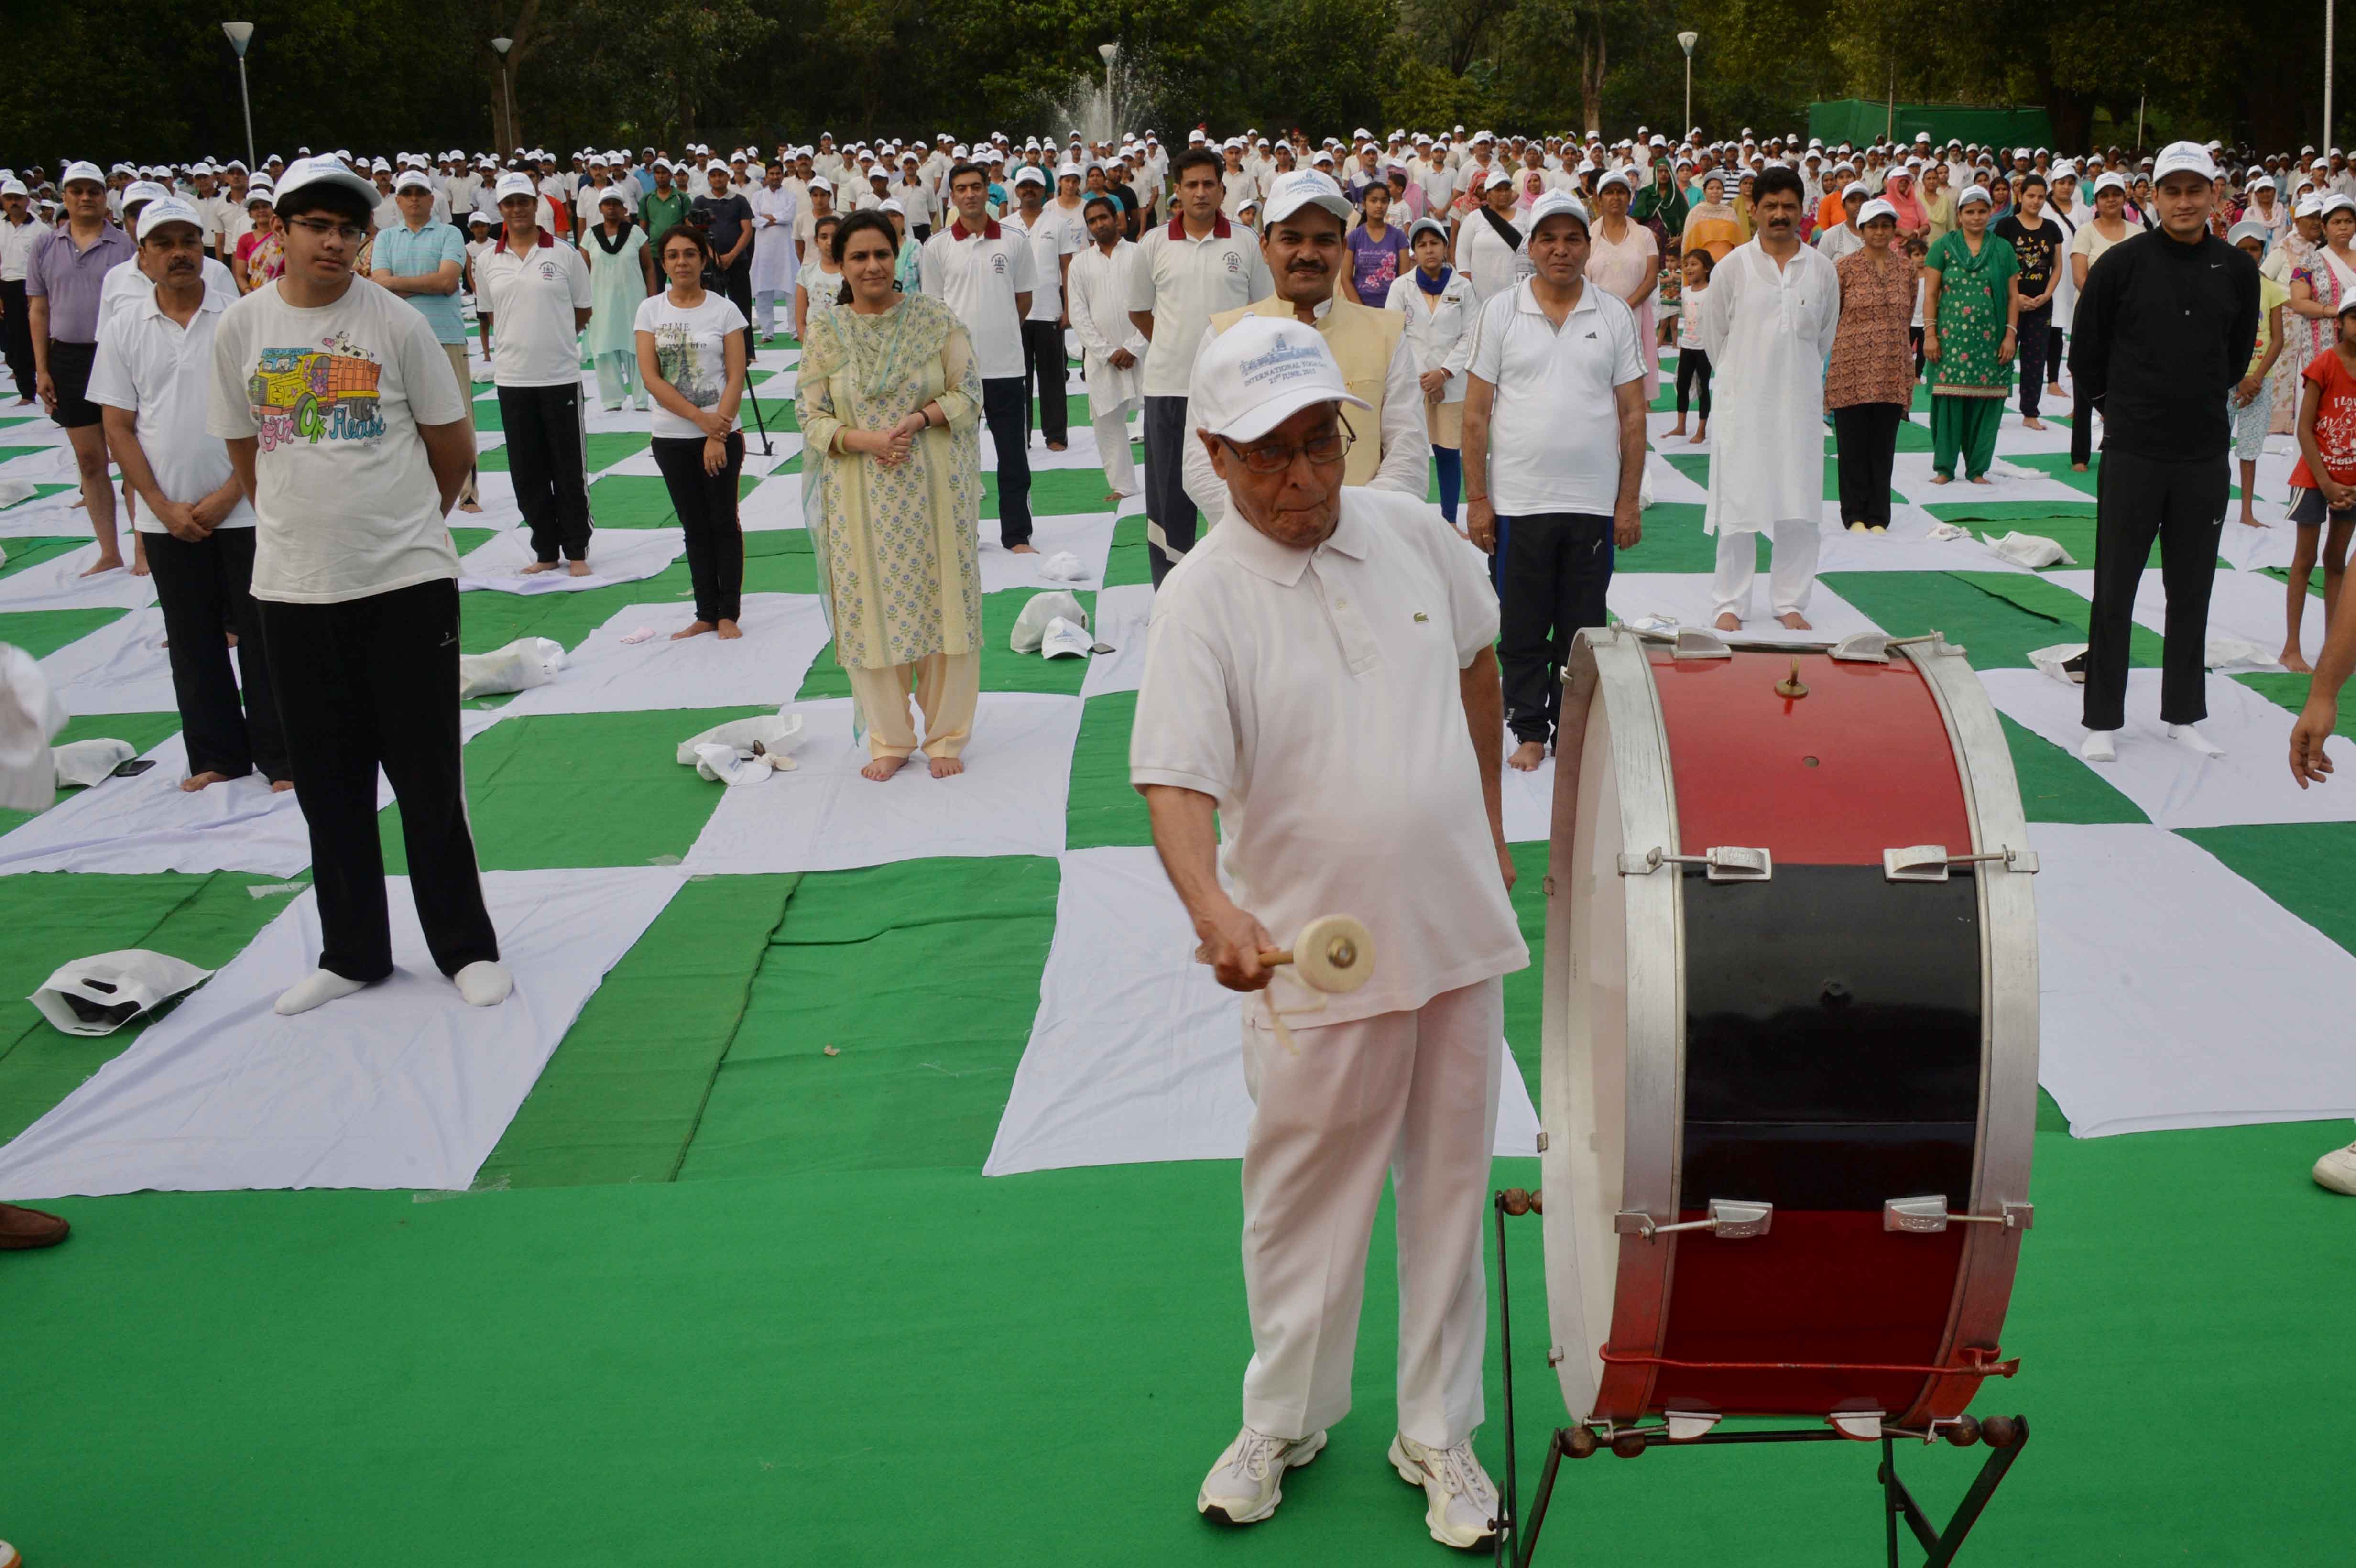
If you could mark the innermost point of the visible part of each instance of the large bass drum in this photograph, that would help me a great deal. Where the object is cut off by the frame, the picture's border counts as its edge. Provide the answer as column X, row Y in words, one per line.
column 1790, row 1077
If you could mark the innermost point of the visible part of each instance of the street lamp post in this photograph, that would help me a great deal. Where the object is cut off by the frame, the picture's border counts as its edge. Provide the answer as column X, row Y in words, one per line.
column 507, row 88
column 1685, row 41
column 2329, row 8
column 240, row 35
column 1109, row 53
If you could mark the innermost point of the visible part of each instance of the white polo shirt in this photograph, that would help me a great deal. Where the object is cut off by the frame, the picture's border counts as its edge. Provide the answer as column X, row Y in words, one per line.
column 1314, row 695
column 1052, row 239
column 1184, row 282
column 978, row 276
column 531, row 298
column 163, row 373
column 1553, row 436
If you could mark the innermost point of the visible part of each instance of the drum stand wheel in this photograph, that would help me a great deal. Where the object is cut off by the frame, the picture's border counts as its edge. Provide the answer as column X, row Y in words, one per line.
column 1516, row 1539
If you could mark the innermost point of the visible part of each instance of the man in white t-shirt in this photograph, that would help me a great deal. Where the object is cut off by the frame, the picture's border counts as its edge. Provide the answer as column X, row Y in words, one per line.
column 533, row 294
column 1052, row 245
column 1554, row 457
column 985, row 272
column 153, row 379
column 348, row 437
column 1313, row 600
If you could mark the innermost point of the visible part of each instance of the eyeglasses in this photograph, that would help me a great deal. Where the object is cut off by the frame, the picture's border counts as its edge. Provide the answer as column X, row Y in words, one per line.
column 1324, row 451
column 344, row 231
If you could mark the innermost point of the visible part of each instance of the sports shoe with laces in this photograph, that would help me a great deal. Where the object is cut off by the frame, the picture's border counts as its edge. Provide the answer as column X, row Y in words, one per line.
column 2337, row 1171
column 1460, row 1505
column 1246, row 1484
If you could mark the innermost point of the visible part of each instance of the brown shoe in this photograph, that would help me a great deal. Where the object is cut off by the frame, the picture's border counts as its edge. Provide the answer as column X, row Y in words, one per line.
column 23, row 1228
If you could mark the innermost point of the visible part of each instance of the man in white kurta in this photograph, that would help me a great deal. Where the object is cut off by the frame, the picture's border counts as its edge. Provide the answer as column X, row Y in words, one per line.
column 1319, row 674
column 775, row 264
column 1112, row 350
column 1767, row 320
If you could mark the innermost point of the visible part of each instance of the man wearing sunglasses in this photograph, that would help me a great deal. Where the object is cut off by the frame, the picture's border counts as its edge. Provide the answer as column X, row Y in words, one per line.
column 1319, row 673
column 1307, row 216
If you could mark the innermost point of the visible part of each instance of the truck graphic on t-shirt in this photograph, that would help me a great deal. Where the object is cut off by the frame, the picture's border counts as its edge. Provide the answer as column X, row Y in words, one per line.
column 308, row 394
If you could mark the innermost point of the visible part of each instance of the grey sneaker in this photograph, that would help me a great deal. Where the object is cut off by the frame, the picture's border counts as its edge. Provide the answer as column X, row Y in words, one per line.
column 1246, row 1484
column 1460, row 1505
column 2337, row 1171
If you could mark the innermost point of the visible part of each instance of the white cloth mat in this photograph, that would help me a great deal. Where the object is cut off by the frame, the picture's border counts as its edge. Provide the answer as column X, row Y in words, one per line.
column 2249, row 606
column 1121, row 616
column 783, row 633
column 1686, row 597
column 120, row 667
column 823, row 817
column 58, row 583
column 2175, row 994
column 776, row 503
column 1087, row 534
column 616, row 555
column 2175, row 785
column 1136, row 1052
column 400, row 1085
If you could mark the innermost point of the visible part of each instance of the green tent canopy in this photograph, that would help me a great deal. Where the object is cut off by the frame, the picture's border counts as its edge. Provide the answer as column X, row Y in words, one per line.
column 1857, row 120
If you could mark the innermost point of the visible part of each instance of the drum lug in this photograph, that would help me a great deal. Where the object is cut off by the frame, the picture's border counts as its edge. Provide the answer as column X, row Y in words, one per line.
column 1864, row 1425
column 1684, row 1425
column 1862, row 648
column 1722, row 863
column 1730, row 1219
column 1930, row 862
column 1928, row 1216
column 1693, row 643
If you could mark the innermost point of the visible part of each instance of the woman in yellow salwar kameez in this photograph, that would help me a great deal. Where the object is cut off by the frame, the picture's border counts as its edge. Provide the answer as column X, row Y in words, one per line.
column 889, row 403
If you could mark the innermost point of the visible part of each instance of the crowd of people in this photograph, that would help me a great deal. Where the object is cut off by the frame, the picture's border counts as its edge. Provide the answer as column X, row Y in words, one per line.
column 279, row 362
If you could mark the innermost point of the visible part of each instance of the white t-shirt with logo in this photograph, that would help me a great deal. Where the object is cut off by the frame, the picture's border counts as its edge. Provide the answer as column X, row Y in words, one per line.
column 691, row 352
column 347, row 505
column 531, row 298
column 978, row 276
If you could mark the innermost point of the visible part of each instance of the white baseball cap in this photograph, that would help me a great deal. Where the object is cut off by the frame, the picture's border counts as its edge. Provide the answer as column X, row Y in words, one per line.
column 325, row 169
column 2109, row 180
column 1264, row 369
column 2184, row 157
column 1063, row 640
column 1034, row 176
column 1557, row 204
column 514, row 184
column 1041, row 612
column 1298, row 188
column 170, row 209
column 1875, row 208
column 81, row 169
column 412, row 179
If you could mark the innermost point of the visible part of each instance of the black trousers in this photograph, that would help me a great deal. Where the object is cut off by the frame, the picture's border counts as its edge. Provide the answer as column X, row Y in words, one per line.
column 1170, row 515
column 16, row 336
column 546, row 462
column 706, row 504
column 1866, row 435
column 1552, row 569
column 2034, row 339
column 1044, row 368
column 1693, row 370
column 2054, row 358
column 2081, row 430
column 2181, row 502
column 1006, row 409
column 736, row 283
column 1914, row 335
column 371, row 683
column 205, row 588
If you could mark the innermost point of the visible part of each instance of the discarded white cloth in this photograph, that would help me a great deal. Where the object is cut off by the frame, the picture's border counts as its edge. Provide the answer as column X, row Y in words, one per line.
column 783, row 633
column 1084, row 537
column 401, row 1085
column 617, row 555
column 1061, row 567
column 725, row 752
column 98, row 995
column 81, row 763
column 1942, row 532
column 1043, row 609
column 2032, row 551
column 1009, row 801
column 2174, row 993
column 120, row 667
column 30, row 714
column 521, row 665
column 1135, row 1052
column 2175, row 785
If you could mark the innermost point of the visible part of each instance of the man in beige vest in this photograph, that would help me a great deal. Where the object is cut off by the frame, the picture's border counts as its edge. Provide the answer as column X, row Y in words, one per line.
column 1390, row 450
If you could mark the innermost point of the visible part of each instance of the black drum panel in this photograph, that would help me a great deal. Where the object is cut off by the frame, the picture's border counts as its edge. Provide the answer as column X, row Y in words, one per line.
column 1831, row 995
column 1827, row 1166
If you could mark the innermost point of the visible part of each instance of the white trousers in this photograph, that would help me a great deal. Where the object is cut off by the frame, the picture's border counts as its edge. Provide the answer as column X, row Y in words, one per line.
column 1411, row 1092
column 1112, row 445
column 764, row 310
column 1791, row 571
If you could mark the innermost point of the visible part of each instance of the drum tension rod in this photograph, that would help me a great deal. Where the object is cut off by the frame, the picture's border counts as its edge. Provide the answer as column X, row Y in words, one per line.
column 1930, row 862
column 1724, row 863
column 1730, row 1219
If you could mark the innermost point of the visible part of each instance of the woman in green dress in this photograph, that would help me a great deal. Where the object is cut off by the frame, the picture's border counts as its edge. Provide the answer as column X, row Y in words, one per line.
column 1971, row 314
column 890, row 403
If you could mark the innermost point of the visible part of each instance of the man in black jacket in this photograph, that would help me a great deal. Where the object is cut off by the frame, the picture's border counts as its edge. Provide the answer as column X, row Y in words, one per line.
column 2162, row 331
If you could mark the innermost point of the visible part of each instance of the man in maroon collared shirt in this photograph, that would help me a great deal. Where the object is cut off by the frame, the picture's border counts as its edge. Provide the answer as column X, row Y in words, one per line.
column 1188, row 272
column 62, row 281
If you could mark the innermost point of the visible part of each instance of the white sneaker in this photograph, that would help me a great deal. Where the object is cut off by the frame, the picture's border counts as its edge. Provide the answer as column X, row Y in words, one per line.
column 1245, row 1484
column 2337, row 1171
column 1461, row 1505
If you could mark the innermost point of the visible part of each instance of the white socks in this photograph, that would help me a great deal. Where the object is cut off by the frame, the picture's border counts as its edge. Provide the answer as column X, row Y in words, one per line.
column 2190, row 735
column 485, row 983
column 2097, row 747
column 319, row 985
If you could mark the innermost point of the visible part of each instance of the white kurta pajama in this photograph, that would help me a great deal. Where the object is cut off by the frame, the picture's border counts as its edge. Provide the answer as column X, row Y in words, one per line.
column 1314, row 695
column 1768, row 331
column 775, row 264
column 1100, row 286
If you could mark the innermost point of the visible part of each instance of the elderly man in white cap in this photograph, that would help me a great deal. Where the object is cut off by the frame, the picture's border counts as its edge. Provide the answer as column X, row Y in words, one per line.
column 1303, row 243
column 1321, row 693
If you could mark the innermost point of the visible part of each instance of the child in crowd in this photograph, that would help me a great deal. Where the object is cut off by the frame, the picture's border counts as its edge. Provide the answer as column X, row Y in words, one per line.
column 2323, row 486
column 2251, row 404
column 1693, row 360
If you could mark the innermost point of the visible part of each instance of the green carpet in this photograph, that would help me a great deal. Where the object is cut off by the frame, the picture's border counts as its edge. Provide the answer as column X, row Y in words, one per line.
column 1002, row 669
column 26, row 552
column 41, row 632
column 1998, row 616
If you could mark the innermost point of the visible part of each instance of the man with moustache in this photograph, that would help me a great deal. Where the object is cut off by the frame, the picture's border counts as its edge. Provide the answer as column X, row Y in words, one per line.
column 1307, row 216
